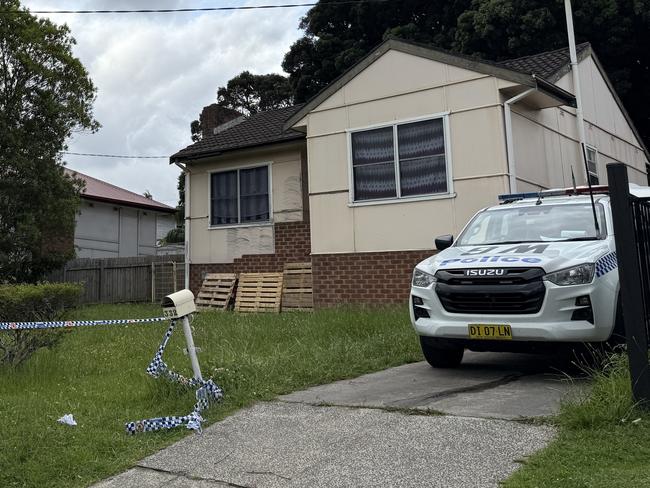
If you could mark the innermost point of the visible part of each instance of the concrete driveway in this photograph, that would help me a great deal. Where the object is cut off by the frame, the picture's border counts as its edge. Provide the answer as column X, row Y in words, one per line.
column 409, row 426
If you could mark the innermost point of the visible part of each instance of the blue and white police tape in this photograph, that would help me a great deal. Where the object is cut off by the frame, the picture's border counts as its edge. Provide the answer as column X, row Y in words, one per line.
column 207, row 392
column 62, row 324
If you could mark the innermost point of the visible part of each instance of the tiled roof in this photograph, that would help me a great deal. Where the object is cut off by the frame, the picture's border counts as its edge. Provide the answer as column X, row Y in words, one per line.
column 543, row 64
column 258, row 129
column 103, row 191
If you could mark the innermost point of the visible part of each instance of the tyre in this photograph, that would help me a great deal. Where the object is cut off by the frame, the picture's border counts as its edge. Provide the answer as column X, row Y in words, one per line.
column 441, row 353
column 618, row 333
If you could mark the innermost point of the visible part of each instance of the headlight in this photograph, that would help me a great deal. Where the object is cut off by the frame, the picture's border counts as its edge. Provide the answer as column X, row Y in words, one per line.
column 422, row 279
column 578, row 275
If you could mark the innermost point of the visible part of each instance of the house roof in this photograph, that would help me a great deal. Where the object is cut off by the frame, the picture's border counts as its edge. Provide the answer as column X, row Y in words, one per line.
column 258, row 129
column 546, row 64
column 105, row 192
column 519, row 73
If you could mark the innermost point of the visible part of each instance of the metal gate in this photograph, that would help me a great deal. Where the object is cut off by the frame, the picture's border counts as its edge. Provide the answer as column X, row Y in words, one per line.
column 631, row 219
column 166, row 277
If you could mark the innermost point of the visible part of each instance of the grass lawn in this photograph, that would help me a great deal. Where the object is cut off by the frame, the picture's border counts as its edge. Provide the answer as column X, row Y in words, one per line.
column 599, row 444
column 98, row 375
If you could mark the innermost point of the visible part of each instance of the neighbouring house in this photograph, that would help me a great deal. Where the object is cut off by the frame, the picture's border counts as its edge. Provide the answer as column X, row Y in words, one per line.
column 406, row 145
column 114, row 222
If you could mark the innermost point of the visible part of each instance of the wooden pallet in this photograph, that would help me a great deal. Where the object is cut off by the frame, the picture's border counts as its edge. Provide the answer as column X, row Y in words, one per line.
column 259, row 292
column 297, row 292
column 216, row 291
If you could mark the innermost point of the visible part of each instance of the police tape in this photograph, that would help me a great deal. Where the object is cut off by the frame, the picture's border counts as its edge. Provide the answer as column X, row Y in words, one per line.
column 207, row 391
column 62, row 324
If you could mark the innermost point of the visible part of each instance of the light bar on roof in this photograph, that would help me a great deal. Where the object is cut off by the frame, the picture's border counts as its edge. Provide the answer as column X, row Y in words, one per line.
column 580, row 190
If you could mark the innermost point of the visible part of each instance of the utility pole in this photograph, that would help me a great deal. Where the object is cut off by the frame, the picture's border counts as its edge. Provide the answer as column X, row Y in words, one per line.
column 576, row 82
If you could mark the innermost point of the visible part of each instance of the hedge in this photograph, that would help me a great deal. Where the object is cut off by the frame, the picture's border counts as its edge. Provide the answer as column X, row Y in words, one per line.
column 24, row 303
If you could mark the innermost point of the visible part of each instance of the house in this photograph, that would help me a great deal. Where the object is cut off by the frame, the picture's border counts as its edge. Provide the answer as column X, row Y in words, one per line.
column 114, row 222
column 406, row 145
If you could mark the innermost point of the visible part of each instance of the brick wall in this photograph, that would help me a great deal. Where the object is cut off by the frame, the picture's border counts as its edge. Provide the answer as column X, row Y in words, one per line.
column 292, row 245
column 370, row 277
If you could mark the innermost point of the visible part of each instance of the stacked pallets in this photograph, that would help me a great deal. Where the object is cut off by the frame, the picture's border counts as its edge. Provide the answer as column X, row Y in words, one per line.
column 259, row 292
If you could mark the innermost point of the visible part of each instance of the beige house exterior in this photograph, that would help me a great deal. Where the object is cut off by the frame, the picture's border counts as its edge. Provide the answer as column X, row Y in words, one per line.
column 471, row 104
column 489, row 129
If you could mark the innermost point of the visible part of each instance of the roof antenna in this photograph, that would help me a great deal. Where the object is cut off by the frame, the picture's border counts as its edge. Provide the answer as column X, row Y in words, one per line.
column 539, row 196
column 573, row 180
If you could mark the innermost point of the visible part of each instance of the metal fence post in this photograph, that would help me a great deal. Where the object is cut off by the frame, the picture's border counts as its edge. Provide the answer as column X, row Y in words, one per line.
column 153, row 282
column 630, row 282
column 174, row 275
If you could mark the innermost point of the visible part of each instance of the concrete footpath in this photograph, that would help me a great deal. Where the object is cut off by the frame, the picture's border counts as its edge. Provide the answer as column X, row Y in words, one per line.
column 410, row 426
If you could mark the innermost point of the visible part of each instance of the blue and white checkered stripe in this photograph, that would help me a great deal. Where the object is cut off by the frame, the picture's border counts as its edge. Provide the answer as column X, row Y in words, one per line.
column 606, row 264
column 74, row 323
column 206, row 393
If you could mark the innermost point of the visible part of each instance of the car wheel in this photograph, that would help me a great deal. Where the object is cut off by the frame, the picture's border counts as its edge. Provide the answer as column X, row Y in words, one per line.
column 441, row 353
column 618, row 333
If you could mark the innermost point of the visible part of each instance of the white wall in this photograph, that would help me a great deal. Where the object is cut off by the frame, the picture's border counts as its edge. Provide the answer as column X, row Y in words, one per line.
column 546, row 141
column 104, row 230
column 394, row 88
column 224, row 244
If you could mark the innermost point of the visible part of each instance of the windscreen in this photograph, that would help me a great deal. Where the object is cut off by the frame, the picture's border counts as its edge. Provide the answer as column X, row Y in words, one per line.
column 536, row 223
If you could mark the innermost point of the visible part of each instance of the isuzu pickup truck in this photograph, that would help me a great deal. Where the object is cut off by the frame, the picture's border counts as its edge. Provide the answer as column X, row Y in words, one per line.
column 524, row 275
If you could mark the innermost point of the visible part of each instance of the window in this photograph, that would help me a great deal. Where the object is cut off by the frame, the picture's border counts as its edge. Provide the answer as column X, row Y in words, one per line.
column 239, row 196
column 592, row 164
column 402, row 160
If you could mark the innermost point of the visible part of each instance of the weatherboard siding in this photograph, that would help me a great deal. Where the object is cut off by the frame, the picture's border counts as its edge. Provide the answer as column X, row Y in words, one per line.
column 546, row 141
column 398, row 87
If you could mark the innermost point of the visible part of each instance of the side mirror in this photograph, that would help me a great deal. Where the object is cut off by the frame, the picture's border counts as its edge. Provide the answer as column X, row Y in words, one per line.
column 443, row 242
column 178, row 304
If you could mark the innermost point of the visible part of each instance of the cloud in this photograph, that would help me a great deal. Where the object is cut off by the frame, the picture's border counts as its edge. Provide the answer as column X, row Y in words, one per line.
column 154, row 73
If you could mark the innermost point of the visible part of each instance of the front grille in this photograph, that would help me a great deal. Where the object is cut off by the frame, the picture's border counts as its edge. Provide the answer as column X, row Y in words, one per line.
column 516, row 291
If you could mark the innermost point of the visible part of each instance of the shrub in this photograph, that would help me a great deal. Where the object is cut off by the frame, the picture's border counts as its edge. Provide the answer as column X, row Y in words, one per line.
column 27, row 303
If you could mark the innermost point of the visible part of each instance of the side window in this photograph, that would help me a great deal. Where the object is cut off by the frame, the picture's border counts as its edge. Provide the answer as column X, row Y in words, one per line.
column 592, row 164
column 240, row 196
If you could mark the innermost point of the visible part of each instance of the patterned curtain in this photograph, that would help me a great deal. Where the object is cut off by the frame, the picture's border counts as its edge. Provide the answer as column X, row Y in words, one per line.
column 421, row 149
column 373, row 163
column 224, row 198
column 254, row 194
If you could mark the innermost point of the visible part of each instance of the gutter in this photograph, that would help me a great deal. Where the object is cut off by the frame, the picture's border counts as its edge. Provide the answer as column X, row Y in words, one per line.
column 510, row 149
column 186, row 204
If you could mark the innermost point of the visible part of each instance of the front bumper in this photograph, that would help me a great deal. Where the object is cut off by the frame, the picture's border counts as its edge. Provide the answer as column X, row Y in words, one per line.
column 551, row 324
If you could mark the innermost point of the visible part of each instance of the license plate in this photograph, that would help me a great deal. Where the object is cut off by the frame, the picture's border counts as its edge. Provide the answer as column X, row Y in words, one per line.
column 499, row 332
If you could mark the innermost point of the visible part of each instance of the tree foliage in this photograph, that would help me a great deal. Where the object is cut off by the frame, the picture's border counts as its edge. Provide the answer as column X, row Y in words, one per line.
column 45, row 95
column 249, row 93
column 337, row 36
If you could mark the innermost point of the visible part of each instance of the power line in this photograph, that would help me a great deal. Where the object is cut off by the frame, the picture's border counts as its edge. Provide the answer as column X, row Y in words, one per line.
column 185, row 10
column 95, row 155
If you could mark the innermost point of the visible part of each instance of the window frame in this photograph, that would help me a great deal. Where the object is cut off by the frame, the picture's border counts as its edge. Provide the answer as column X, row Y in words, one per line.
column 590, row 173
column 268, row 165
column 444, row 116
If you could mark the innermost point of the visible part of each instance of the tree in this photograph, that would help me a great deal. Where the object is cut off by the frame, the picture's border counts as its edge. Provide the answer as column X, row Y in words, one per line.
column 249, row 93
column 619, row 32
column 338, row 35
column 45, row 95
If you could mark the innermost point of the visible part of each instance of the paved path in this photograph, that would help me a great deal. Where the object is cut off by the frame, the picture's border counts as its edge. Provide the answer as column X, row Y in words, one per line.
column 382, row 429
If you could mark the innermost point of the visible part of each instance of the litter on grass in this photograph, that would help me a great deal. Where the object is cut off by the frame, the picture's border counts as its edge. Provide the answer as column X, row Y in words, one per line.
column 67, row 419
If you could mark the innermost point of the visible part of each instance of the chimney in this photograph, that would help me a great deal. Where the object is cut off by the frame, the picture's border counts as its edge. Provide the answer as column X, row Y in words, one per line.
column 213, row 117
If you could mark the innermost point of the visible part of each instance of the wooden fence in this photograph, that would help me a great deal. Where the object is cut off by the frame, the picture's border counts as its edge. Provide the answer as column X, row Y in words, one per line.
column 117, row 280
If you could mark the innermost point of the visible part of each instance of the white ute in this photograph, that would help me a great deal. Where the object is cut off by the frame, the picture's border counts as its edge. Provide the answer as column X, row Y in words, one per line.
column 529, row 273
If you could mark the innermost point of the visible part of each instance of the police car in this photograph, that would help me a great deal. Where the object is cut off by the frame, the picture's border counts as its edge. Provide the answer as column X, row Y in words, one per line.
column 524, row 275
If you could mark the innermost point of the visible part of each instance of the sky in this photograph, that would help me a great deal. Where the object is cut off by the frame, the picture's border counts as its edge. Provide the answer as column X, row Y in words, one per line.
column 155, row 72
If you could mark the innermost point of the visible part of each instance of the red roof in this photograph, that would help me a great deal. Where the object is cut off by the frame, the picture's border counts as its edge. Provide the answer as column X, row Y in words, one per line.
column 105, row 192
